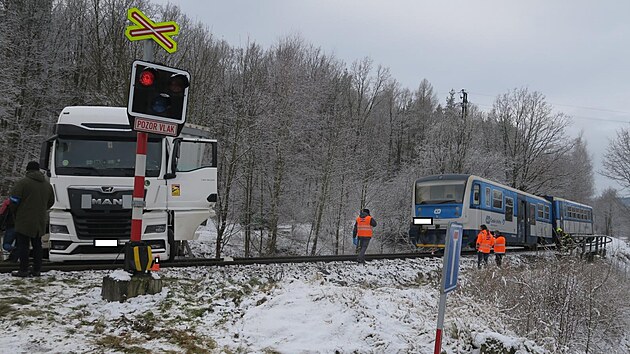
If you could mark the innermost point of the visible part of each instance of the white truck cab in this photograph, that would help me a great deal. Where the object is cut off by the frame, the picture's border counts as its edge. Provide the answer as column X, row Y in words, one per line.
column 91, row 164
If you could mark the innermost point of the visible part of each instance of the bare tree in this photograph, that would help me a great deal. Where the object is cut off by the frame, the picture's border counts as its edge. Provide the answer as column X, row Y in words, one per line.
column 612, row 216
column 617, row 158
column 532, row 137
column 579, row 183
column 30, row 82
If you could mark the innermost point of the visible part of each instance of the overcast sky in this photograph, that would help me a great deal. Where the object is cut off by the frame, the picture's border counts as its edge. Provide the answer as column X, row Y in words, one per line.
column 574, row 52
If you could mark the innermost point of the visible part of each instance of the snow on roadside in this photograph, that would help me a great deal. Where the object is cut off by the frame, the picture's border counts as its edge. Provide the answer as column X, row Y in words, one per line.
column 383, row 306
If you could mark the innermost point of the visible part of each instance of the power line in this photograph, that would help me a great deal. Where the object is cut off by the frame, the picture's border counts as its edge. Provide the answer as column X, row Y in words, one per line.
column 600, row 119
column 570, row 115
column 567, row 105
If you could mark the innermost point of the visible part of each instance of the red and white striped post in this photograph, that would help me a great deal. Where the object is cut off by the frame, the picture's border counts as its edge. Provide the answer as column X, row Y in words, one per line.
column 138, row 187
column 141, row 165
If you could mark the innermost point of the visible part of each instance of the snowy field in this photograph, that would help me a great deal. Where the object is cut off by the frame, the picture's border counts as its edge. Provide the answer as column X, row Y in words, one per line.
column 380, row 307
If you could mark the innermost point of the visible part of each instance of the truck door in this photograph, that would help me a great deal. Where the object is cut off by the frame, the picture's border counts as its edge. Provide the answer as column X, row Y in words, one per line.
column 191, row 184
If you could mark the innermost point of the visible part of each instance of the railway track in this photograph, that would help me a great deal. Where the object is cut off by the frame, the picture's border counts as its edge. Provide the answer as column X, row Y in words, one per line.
column 6, row 267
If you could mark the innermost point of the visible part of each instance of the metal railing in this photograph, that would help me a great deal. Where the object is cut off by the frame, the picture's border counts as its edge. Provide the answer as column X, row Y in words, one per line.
column 591, row 245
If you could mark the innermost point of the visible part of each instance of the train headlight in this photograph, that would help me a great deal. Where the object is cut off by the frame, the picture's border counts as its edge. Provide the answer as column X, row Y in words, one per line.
column 423, row 221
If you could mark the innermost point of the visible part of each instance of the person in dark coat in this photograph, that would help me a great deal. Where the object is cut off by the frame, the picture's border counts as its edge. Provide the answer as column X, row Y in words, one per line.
column 31, row 197
column 363, row 230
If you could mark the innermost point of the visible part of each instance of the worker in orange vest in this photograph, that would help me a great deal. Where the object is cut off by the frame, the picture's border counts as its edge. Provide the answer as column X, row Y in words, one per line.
column 363, row 230
column 485, row 241
column 499, row 248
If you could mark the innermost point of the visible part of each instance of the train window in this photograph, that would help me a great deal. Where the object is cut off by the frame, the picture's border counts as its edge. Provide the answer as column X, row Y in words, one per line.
column 476, row 194
column 541, row 212
column 509, row 209
column 546, row 215
column 497, row 199
column 488, row 197
column 532, row 214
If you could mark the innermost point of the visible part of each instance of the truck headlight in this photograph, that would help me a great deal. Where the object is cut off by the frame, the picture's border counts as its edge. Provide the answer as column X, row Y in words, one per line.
column 58, row 229
column 155, row 229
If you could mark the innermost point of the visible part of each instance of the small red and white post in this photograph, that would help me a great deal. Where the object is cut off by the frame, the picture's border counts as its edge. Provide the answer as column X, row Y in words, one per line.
column 440, row 324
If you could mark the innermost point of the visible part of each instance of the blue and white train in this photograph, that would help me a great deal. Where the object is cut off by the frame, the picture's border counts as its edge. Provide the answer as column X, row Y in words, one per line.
column 524, row 219
column 572, row 217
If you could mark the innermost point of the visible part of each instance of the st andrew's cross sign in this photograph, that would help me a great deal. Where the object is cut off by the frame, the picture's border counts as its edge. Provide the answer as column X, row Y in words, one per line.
column 144, row 28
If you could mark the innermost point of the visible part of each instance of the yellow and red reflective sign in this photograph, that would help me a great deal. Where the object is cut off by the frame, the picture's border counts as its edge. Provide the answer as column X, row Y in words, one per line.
column 144, row 28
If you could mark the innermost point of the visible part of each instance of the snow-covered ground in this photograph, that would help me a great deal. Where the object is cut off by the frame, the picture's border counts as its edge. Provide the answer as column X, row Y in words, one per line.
column 380, row 307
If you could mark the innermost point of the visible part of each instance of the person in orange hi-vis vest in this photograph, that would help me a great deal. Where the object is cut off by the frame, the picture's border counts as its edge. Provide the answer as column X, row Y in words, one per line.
column 485, row 241
column 363, row 230
column 499, row 248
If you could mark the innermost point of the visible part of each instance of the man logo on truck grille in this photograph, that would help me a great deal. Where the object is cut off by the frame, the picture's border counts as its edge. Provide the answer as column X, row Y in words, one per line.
column 106, row 201
column 87, row 202
column 107, row 189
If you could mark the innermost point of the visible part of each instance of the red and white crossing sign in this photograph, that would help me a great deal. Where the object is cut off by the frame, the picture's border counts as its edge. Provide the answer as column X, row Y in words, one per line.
column 144, row 28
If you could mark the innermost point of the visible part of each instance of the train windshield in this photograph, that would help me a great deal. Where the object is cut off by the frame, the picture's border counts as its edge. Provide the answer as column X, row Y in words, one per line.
column 440, row 192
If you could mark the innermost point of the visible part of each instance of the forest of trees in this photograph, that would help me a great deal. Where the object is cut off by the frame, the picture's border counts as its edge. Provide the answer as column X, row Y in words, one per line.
column 304, row 137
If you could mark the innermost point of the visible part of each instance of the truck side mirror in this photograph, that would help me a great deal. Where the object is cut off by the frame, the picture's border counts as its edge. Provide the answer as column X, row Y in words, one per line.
column 44, row 155
column 212, row 198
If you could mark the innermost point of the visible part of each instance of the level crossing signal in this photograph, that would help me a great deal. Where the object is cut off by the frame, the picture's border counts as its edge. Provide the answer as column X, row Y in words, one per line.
column 158, row 92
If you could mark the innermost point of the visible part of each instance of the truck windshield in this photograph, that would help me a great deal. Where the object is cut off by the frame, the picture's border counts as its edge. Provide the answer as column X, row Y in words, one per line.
column 440, row 192
column 104, row 157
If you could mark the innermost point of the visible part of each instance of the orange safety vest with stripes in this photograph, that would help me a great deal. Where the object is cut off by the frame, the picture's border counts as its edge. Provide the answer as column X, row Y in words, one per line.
column 364, row 229
column 499, row 245
column 485, row 241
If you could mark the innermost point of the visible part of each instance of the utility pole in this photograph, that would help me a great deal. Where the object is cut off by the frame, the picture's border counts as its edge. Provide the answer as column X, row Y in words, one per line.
column 464, row 97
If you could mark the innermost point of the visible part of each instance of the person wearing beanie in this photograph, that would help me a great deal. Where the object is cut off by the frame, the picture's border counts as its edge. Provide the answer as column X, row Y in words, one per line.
column 32, row 166
column 363, row 231
column 31, row 197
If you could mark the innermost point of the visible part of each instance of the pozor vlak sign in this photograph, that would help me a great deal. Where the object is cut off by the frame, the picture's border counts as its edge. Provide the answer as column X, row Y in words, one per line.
column 154, row 126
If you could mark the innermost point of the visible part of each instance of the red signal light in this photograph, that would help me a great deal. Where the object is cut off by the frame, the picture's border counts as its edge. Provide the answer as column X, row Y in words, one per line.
column 147, row 78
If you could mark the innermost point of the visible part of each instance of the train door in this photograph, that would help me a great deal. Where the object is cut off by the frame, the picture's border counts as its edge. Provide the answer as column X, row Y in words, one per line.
column 522, row 228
